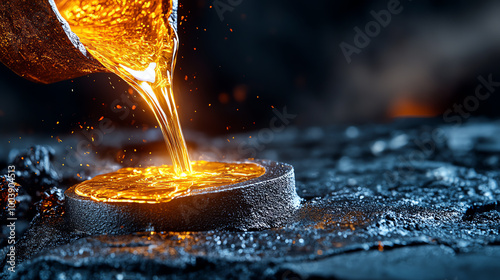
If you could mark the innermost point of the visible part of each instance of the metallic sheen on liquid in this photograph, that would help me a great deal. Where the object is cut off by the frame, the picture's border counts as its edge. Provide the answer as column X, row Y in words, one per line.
column 161, row 184
column 134, row 39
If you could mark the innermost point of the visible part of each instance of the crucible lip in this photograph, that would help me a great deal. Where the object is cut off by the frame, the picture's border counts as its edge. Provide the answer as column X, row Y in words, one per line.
column 260, row 203
column 51, row 52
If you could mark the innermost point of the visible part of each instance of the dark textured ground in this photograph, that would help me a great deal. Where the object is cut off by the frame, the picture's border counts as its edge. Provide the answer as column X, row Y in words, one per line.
column 413, row 199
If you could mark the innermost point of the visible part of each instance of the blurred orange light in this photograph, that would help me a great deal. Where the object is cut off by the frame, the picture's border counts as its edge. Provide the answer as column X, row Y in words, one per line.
column 405, row 107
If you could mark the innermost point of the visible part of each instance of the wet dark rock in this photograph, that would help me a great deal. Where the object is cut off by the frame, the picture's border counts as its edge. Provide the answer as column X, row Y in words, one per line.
column 52, row 203
column 34, row 169
column 23, row 206
column 412, row 200
column 35, row 174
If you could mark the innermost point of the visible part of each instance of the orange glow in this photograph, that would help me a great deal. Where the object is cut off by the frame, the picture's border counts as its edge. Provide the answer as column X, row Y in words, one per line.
column 224, row 98
column 240, row 93
column 134, row 40
column 161, row 184
column 380, row 246
column 405, row 107
column 333, row 223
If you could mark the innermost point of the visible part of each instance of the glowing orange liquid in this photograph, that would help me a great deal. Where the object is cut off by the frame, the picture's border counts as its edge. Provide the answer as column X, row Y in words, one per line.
column 161, row 184
column 133, row 39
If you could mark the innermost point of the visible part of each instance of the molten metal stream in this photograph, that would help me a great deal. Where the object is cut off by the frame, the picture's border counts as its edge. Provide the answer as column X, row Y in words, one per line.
column 133, row 39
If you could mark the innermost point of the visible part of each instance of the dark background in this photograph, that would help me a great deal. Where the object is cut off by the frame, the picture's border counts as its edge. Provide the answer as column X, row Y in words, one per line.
column 286, row 53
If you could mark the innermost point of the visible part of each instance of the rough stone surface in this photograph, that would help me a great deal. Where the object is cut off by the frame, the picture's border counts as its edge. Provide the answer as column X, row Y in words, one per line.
column 408, row 200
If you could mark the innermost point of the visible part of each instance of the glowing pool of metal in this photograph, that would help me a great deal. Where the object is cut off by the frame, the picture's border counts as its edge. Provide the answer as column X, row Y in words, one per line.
column 162, row 184
column 261, row 202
